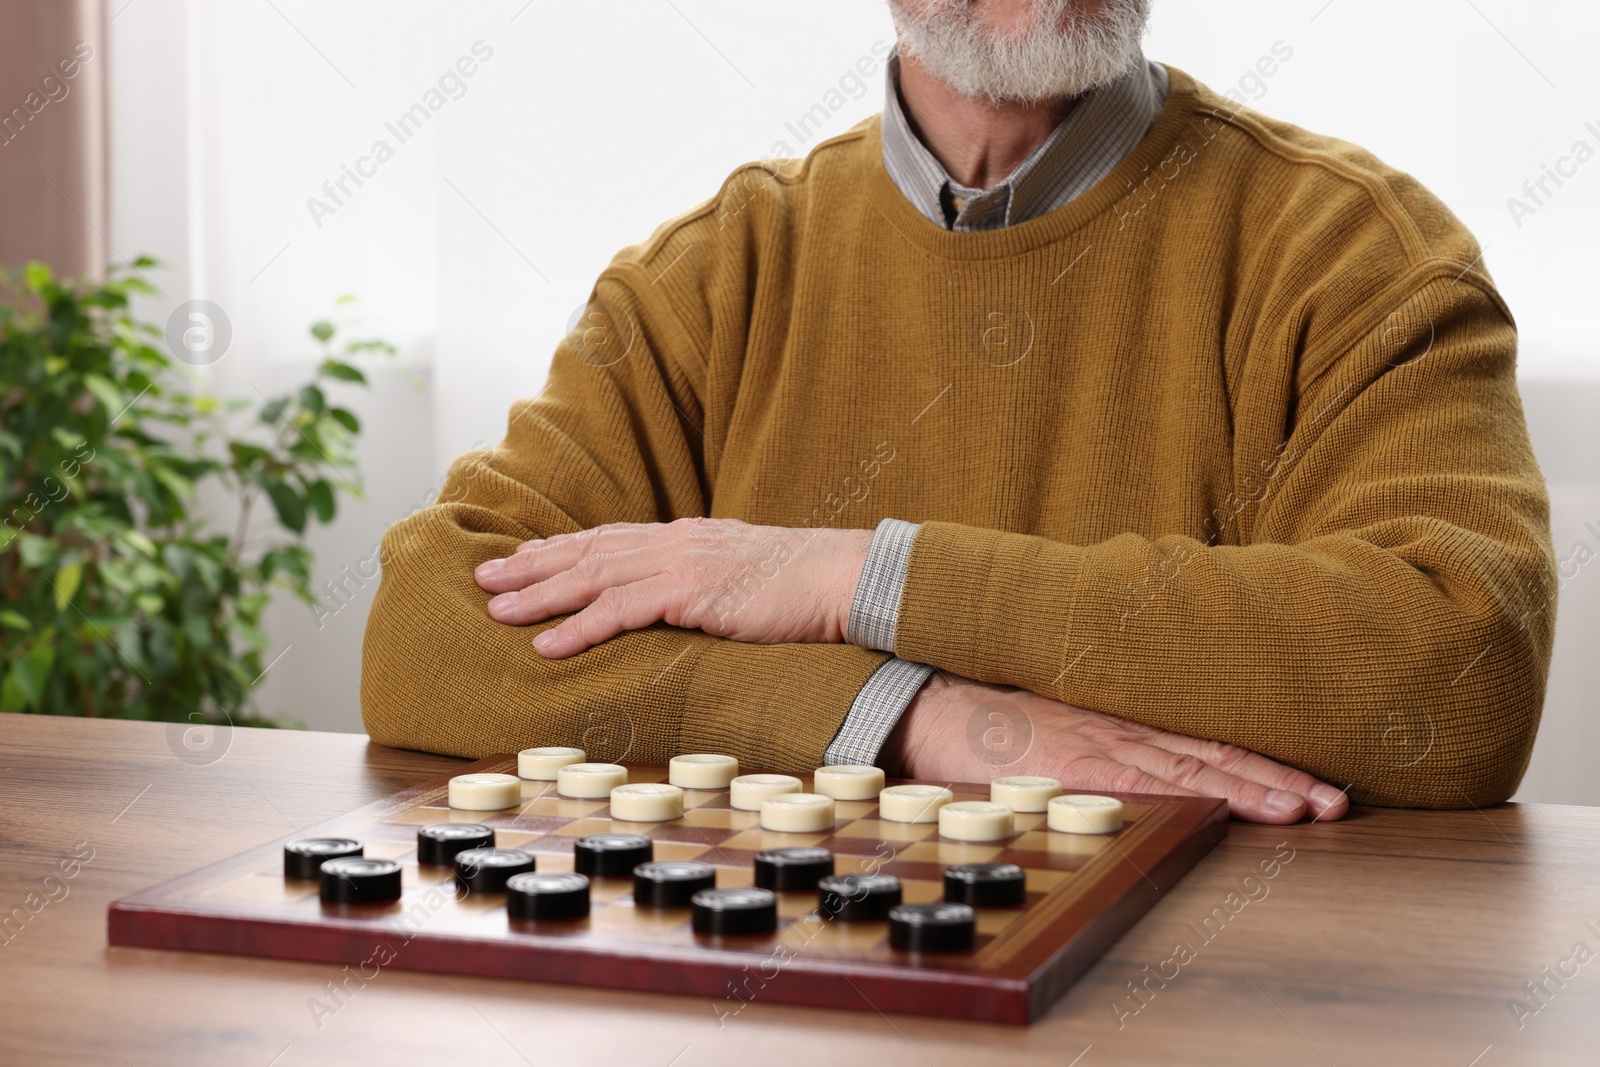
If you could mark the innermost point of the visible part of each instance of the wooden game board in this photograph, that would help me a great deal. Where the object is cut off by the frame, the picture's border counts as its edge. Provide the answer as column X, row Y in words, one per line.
column 1084, row 891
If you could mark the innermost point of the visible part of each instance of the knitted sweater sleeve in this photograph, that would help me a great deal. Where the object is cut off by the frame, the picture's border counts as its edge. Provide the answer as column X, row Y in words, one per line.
column 1373, row 603
column 614, row 437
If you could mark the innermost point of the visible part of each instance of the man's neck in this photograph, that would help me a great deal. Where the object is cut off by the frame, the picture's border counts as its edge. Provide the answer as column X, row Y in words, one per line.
column 978, row 142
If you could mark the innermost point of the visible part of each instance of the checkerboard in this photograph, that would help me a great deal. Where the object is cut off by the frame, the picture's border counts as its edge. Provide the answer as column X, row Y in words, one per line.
column 1084, row 891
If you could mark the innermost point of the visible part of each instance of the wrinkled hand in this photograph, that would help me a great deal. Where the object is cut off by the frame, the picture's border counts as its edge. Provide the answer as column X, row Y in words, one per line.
column 958, row 730
column 760, row 584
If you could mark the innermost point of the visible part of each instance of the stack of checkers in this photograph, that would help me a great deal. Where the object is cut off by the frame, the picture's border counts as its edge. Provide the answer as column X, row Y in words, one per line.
column 467, row 850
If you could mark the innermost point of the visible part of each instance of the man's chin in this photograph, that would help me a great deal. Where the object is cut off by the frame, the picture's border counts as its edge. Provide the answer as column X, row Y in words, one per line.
column 1035, row 66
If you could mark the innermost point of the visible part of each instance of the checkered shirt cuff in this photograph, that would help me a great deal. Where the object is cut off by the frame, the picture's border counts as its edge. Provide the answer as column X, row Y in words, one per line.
column 877, row 708
column 876, row 605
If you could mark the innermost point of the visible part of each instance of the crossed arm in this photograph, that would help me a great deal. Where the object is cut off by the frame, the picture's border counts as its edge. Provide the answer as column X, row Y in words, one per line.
column 691, row 574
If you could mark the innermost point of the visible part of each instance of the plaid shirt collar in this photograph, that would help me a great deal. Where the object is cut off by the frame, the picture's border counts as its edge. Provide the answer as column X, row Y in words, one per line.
column 1096, row 135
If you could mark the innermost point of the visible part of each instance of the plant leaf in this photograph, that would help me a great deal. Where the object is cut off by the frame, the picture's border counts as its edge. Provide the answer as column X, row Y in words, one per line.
column 346, row 418
column 345, row 372
column 179, row 488
column 105, row 391
column 319, row 495
column 36, row 551
column 322, row 331
column 24, row 684
column 290, row 508
column 140, row 541
column 69, row 576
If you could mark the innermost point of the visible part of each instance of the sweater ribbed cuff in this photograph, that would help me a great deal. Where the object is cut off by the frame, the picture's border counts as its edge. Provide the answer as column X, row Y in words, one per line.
column 774, row 707
column 988, row 605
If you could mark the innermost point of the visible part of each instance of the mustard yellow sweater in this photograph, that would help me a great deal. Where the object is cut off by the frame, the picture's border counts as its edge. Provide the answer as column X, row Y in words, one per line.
column 1230, row 445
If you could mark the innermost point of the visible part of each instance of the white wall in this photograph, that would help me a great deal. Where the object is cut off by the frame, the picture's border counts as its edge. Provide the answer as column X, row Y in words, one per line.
column 592, row 123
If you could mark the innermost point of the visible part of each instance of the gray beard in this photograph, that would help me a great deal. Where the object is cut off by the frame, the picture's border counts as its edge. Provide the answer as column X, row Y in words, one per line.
column 1064, row 54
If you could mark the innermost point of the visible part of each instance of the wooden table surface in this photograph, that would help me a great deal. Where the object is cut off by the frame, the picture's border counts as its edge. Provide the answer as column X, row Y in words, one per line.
column 1392, row 937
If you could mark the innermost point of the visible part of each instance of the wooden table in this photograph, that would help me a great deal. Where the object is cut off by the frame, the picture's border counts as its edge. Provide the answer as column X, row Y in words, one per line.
column 1392, row 937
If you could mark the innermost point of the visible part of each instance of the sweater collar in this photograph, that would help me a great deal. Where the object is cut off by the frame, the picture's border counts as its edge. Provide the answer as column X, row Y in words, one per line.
column 1190, row 118
column 1097, row 134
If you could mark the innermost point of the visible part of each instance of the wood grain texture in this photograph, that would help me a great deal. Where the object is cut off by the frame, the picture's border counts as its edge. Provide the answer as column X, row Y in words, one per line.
column 1393, row 937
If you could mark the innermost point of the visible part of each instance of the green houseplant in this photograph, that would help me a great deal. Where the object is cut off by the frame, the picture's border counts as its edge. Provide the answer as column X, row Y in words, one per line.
column 118, row 595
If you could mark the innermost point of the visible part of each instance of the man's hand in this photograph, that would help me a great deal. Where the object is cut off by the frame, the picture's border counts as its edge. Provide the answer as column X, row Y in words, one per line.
column 956, row 730
column 759, row 584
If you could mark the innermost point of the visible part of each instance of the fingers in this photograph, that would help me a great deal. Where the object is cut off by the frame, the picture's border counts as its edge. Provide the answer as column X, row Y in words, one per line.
column 1156, row 771
column 1324, row 802
column 1114, row 776
column 617, row 609
column 1246, row 799
column 575, row 587
column 535, row 561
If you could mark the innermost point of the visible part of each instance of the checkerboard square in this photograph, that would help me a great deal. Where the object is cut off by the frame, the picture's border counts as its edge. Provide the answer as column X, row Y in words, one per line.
column 680, row 850
column 716, row 818
column 584, row 827
column 757, row 840
column 707, row 798
column 870, row 863
column 948, row 852
column 1044, row 881
column 1060, row 844
column 883, row 829
column 915, row 892
column 412, row 876
column 388, row 850
column 454, row 815
column 606, row 890
column 838, row 938
column 515, row 838
column 562, row 807
column 692, row 835
column 796, row 905
column 623, row 826
column 905, row 871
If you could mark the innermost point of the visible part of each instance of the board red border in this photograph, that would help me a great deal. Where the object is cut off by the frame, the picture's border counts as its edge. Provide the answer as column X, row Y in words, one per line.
column 1076, row 924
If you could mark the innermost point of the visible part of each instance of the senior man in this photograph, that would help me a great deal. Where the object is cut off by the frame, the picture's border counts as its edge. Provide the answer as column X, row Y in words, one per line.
column 1064, row 419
